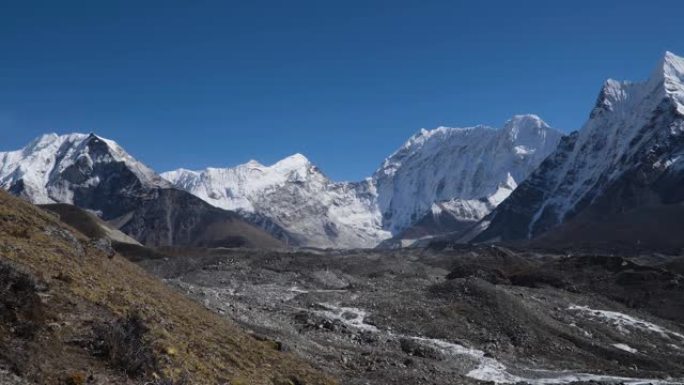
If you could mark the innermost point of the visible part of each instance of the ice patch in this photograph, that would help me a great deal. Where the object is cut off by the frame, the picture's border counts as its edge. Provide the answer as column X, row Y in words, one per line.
column 626, row 348
column 295, row 289
column 491, row 370
column 349, row 316
column 523, row 150
column 488, row 369
column 625, row 323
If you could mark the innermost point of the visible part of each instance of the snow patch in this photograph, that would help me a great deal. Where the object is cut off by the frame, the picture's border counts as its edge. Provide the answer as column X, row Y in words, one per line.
column 625, row 323
column 350, row 316
column 626, row 348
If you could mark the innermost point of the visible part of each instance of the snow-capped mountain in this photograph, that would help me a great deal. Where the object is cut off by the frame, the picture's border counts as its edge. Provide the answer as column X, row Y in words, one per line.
column 294, row 195
column 459, row 173
column 628, row 156
column 96, row 174
column 52, row 168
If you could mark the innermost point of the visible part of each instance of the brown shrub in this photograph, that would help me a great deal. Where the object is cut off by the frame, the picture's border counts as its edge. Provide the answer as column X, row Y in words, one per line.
column 123, row 344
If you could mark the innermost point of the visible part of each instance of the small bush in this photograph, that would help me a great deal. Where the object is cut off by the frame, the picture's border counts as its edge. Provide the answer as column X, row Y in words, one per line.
column 123, row 344
column 75, row 378
column 20, row 306
column 20, row 232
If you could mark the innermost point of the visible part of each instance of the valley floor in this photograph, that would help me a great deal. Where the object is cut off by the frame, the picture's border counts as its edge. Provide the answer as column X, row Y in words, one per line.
column 445, row 317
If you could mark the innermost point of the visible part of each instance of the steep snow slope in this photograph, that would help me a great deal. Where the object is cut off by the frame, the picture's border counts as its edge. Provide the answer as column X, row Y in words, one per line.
column 294, row 195
column 461, row 172
column 628, row 155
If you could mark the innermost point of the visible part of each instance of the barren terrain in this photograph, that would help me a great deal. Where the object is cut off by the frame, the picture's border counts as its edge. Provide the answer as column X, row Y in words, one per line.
column 456, row 316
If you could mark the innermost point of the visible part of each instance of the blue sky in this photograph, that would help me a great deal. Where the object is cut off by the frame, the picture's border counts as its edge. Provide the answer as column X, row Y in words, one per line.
column 216, row 83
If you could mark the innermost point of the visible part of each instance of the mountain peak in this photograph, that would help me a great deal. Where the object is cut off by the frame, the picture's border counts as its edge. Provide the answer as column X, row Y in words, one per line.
column 615, row 162
column 670, row 60
column 525, row 121
column 525, row 128
column 671, row 71
column 528, row 119
column 253, row 163
column 666, row 80
column 39, row 165
column 293, row 161
column 45, row 138
column 424, row 136
column 40, row 142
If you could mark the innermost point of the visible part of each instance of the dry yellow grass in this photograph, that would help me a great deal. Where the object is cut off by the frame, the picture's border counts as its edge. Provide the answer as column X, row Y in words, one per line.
column 189, row 340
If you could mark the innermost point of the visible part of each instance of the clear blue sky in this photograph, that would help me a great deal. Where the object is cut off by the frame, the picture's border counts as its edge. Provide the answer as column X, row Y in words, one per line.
column 216, row 83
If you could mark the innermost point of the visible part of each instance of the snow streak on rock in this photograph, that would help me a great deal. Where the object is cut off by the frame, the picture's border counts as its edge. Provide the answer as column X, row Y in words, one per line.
column 625, row 323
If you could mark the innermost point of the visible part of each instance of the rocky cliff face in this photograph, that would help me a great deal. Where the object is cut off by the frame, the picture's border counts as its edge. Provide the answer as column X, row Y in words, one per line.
column 626, row 157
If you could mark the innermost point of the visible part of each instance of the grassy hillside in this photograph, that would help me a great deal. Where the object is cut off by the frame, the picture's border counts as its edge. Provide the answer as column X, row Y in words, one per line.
column 70, row 315
column 87, row 223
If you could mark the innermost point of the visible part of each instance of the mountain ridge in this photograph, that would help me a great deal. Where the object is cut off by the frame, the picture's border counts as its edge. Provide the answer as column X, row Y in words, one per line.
column 426, row 183
column 99, row 175
column 626, row 156
column 365, row 213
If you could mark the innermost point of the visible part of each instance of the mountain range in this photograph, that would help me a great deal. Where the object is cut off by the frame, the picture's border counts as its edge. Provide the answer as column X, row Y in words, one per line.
column 97, row 174
column 449, row 176
column 523, row 181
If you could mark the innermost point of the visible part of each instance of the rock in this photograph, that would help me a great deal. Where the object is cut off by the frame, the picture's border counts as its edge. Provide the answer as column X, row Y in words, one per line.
column 57, row 232
column 415, row 348
column 104, row 245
